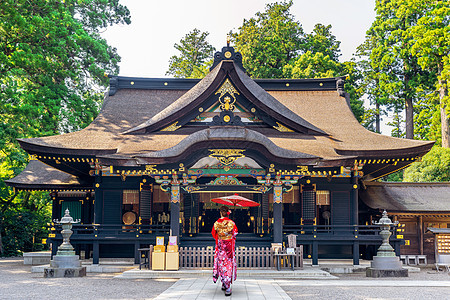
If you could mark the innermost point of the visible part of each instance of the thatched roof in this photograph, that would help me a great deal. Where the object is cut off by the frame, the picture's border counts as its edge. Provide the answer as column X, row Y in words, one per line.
column 39, row 176
column 332, row 134
column 407, row 197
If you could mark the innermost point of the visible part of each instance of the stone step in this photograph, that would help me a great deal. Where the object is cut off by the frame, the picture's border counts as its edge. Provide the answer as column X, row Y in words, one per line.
column 90, row 268
column 307, row 273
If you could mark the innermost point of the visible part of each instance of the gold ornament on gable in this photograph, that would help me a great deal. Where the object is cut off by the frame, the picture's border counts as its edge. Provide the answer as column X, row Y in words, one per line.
column 227, row 102
column 227, row 156
column 172, row 127
column 282, row 128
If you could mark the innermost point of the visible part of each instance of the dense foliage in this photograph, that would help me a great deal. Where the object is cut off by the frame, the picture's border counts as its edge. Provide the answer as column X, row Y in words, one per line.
column 194, row 58
column 405, row 66
column 269, row 41
column 52, row 79
column 434, row 166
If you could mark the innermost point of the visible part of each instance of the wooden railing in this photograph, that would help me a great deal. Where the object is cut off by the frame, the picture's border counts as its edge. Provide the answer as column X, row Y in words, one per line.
column 327, row 231
column 246, row 258
column 86, row 230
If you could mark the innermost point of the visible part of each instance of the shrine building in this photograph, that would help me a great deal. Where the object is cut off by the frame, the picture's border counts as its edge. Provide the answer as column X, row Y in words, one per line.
column 161, row 149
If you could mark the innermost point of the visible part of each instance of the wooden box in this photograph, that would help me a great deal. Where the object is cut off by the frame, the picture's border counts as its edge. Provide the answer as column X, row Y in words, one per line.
column 172, row 261
column 159, row 248
column 158, row 260
column 172, row 248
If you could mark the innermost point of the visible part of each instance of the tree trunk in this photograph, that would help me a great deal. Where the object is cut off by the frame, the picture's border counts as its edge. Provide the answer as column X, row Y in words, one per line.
column 377, row 117
column 409, row 109
column 1, row 241
column 409, row 118
column 445, row 122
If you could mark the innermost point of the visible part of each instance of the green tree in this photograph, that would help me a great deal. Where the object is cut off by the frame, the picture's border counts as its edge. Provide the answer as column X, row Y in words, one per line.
column 393, row 69
column 371, row 83
column 269, row 41
column 311, row 65
column 431, row 45
column 195, row 56
column 52, row 77
column 434, row 166
column 321, row 40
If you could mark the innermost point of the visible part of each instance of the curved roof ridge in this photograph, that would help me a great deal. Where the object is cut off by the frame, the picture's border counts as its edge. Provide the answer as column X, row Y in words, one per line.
column 189, row 97
column 251, row 88
column 224, row 133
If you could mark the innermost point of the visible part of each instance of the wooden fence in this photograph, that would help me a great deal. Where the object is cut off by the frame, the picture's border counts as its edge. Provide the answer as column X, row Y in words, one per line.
column 246, row 258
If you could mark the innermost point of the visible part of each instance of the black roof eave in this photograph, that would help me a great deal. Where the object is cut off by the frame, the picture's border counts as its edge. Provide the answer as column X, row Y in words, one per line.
column 313, row 84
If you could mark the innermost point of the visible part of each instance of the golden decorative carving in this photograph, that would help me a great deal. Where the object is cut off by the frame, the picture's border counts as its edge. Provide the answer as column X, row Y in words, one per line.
column 227, row 54
column 172, row 127
column 227, row 156
column 282, row 128
column 226, row 118
column 227, row 103
column 150, row 168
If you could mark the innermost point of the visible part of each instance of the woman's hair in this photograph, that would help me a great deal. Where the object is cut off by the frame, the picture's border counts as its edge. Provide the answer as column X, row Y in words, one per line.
column 223, row 211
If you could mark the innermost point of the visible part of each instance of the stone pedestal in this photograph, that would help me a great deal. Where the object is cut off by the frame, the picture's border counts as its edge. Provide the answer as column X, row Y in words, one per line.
column 386, row 267
column 385, row 263
column 64, row 272
column 376, row 273
column 65, row 266
column 65, row 263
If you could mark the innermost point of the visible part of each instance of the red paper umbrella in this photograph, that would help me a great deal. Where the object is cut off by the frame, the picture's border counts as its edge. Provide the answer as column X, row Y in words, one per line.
column 235, row 200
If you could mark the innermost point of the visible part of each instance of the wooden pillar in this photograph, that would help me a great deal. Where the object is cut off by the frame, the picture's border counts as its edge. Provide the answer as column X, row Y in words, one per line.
column 265, row 212
column 56, row 209
column 397, row 248
column 95, row 253
column 175, row 210
column 136, row 252
column 54, row 248
column 315, row 253
column 356, row 253
column 98, row 202
column 354, row 198
column 278, row 214
column 420, row 235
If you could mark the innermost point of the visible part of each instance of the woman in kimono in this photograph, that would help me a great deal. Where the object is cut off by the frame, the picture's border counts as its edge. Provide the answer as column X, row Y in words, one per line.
column 224, row 232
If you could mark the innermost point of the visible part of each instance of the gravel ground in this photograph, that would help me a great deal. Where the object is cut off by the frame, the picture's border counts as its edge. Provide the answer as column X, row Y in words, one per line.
column 367, row 293
column 17, row 282
column 372, row 293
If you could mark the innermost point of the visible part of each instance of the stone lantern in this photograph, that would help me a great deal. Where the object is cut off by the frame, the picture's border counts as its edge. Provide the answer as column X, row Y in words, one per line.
column 386, row 263
column 65, row 263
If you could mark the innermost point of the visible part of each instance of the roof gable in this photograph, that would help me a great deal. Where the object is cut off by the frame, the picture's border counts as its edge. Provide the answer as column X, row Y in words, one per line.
column 227, row 87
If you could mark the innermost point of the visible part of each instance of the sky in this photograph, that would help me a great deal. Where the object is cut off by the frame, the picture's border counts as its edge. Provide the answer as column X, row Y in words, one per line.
column 156, row 25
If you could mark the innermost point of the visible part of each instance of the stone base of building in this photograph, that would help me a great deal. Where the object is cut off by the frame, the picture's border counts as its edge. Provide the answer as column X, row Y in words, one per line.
column 376, row 273
column 36, row 258
column 64, row 272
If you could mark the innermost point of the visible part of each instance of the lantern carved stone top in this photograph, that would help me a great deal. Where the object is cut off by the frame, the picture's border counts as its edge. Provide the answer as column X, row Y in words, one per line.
column 67, row 219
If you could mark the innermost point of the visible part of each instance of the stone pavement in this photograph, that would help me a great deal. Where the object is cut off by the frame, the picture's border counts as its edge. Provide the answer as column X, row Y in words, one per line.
column 204, row 288
column 263, row 288
column 305, row 273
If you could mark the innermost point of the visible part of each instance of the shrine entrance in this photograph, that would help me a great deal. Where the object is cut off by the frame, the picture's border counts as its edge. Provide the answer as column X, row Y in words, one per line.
column 200, row 213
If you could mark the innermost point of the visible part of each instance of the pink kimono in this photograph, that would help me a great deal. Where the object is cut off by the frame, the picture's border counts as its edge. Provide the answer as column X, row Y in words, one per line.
column 224, row 232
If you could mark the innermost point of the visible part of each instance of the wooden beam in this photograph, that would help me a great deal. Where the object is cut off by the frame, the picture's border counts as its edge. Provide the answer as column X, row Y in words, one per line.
column 420, row 235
